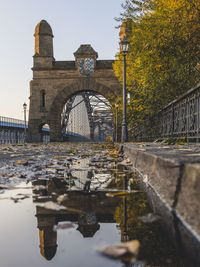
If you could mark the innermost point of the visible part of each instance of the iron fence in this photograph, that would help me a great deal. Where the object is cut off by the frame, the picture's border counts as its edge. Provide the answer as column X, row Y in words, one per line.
column 180, row 118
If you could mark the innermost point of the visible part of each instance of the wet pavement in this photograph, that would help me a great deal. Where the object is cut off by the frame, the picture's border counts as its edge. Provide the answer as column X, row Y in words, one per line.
column 65, row 204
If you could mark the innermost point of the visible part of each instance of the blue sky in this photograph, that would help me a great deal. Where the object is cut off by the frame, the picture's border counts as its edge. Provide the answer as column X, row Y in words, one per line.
column 73, row 22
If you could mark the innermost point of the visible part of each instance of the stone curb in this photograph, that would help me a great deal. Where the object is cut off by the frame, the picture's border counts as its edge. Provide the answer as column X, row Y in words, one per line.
column 171, row 180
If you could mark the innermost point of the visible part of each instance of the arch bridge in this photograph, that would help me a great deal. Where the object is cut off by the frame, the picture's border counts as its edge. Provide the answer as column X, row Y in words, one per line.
column 54, row 83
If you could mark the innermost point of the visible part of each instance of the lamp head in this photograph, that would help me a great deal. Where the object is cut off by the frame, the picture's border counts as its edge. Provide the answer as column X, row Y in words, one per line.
column 124, row 45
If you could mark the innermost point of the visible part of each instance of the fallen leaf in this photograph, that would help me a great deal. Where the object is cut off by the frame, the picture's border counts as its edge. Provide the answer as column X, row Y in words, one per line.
column 132, row 246
column 62, row 198
column 24, row 163
column 128, row 249
column 117, row 194
column 114, row 251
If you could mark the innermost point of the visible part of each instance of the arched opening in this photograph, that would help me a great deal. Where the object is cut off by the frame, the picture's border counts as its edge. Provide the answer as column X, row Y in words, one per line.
column 44, row 130
column 84, row 112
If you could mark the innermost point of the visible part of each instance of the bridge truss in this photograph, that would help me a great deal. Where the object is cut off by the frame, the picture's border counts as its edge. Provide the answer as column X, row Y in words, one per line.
column 99, row 115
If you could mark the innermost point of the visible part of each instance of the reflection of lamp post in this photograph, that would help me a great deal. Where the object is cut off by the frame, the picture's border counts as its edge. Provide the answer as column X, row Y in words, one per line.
column 24, row 107
column 116, row 106
column 124, row 49
column 124, row 236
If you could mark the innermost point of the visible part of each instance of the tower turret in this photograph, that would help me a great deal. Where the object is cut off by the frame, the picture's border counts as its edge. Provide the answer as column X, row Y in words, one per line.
column 43, row 57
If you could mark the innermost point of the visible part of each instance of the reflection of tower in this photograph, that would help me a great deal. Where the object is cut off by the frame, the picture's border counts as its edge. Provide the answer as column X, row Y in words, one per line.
column 48, row 242
column 48, row 237
column 88, row 224
column 82, row 208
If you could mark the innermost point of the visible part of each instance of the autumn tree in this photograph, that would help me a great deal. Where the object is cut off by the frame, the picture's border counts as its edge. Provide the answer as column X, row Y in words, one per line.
column 164, row 54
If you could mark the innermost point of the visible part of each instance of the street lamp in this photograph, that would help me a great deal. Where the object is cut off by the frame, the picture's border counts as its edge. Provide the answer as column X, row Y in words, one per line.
column 124, row 49
column 24, row 107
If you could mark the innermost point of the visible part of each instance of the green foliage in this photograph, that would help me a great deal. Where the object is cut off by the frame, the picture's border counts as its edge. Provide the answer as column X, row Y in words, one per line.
column 164, row 54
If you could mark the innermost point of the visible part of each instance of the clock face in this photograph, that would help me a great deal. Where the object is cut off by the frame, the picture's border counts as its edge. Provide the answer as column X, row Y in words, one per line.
column 86, row 66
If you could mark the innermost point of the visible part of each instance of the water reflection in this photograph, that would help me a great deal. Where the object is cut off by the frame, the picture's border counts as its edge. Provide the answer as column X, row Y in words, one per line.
column 124, row 235
column 99, row 203
column 84, row 208
column 88, row 205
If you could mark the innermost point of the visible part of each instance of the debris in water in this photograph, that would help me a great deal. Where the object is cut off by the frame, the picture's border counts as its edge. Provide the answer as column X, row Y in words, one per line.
column 3, row 186
column 39, row 187
column 145, row 178
column 50, row 205
column 63, row 226
column 62, row 198
column 125, row 162
column 117, row 194
column 121, row 193
column 127, row 251
column 24, row 163
column 149, row 218
column 17, row 199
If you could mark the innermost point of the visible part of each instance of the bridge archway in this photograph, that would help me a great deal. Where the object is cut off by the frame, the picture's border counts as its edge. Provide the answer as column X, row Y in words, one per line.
column 44, row 131
column 82, row 112
column 54, row 116
column 62, row 79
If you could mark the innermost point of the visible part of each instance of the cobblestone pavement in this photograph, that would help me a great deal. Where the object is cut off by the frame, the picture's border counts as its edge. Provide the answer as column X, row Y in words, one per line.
column 30, row 161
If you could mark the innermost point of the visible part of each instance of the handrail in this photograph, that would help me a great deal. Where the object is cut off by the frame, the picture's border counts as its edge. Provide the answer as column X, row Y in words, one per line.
column 11, row 122
column 180, row 118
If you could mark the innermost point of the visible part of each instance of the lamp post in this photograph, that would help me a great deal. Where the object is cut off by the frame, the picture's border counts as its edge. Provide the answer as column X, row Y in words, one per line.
column 124, row 49
column 24, row 107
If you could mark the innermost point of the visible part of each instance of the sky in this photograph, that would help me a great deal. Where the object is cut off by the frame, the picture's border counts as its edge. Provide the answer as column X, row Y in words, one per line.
column 74, row 22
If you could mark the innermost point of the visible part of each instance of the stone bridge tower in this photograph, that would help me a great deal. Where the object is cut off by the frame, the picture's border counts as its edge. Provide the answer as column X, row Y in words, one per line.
column 54, row 82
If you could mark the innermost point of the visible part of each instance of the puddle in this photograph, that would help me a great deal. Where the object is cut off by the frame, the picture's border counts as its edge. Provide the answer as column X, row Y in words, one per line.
column 89, row 201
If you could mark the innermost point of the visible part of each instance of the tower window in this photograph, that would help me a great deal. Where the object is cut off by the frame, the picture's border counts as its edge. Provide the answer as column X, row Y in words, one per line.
column 43, row 99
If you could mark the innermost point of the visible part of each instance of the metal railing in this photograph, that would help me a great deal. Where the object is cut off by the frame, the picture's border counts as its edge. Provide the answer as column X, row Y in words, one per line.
column 45, row 138
column 11, row 130
column 180, row 118
column 10, row 122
